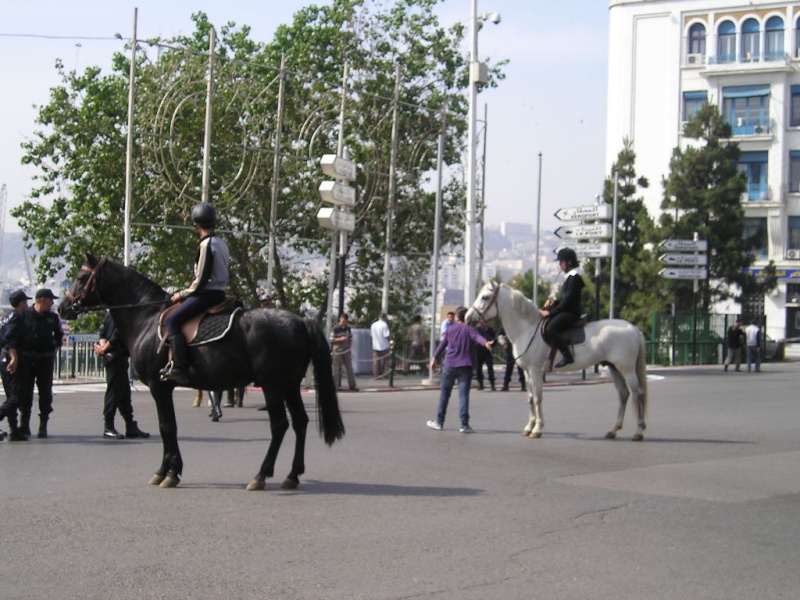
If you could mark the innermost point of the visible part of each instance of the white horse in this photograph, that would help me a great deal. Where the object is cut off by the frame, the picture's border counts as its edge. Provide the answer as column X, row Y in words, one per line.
column 615, row 343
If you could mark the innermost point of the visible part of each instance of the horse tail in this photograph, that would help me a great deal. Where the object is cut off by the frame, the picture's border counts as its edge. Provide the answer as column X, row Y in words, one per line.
column 641, row 370
column 329, row 419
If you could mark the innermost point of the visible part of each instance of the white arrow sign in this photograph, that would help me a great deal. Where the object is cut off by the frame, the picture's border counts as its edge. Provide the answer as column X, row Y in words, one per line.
column 338, row 220
column 584, row 213
column 685, row 245
column 334, row 166
column 337, row 193
column 683, row 273
column 601, row 250
column 593, row 230
column 684, row 259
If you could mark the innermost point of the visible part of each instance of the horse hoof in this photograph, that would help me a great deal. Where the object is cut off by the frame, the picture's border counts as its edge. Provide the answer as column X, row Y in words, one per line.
column 256, row 485
column 637, row 438
column 156, row 479
column 168, row 482
column 215, row 418
column 290, row 484
column 525, row 433
column 534, row 435
column 611, row 435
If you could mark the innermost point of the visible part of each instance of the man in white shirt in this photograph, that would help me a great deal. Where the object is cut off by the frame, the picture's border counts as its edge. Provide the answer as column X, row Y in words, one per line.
column 753, row 335
column 381, row 344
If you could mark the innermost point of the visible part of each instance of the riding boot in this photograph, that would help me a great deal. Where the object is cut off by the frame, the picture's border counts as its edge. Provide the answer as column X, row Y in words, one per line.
column 42, row 433
column 180, row 370
column 566, row 358
column 132, row 430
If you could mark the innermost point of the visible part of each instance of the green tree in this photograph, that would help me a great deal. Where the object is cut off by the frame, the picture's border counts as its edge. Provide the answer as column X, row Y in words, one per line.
column 79, row 151
column 702, row 194
column 638, row 289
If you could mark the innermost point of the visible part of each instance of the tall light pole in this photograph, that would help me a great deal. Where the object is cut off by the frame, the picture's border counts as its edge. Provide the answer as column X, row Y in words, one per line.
column 478, row 75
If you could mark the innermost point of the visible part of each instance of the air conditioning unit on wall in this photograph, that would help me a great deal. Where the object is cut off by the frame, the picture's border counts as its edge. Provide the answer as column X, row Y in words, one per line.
column 694, row 59
column 793, row 253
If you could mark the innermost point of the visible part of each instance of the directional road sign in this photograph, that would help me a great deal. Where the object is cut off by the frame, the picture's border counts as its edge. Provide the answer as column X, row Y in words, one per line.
column 685, row 245
column 673, row 273
column 338, row 220
column 585, row 232
column 340, row 168
column 584, row 213
column 684, row 259
column 601, row 250
column 337, row 193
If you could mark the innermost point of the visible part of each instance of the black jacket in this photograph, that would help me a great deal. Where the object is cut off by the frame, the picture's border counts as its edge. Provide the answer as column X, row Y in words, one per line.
column 570, row 301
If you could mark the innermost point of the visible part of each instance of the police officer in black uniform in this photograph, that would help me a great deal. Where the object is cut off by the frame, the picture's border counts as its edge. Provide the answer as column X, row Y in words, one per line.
column 118, row 388
column 10, row 335
column 41, row 339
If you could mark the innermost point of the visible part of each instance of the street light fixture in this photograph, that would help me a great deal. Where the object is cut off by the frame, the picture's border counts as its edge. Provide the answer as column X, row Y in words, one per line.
column 478, row 75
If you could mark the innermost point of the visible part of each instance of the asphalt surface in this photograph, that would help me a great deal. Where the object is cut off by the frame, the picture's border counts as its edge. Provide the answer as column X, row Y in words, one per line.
column 706, row 507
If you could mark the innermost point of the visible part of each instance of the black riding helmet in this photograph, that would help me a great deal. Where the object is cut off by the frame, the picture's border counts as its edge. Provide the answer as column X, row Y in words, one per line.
column 204, row 215
column 568, row 255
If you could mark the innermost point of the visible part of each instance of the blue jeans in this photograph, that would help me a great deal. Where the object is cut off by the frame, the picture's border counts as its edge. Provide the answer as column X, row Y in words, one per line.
column 449, row 376
column 754, row 356
column 193, row 305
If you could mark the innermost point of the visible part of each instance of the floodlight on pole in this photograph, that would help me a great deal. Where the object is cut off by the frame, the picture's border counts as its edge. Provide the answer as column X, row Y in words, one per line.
column 478, row 75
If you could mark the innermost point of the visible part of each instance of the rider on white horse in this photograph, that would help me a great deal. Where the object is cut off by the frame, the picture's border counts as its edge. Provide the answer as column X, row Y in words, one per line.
column 566, row 310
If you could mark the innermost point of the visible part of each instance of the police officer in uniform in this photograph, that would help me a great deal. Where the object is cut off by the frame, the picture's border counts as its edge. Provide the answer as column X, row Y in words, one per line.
column 206, row 290
column 566, row 310
column 10, row 335
column 41, row 339
column 118, row 388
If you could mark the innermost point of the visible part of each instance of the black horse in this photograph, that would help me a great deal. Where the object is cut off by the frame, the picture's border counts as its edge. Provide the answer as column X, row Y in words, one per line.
column 269, row 347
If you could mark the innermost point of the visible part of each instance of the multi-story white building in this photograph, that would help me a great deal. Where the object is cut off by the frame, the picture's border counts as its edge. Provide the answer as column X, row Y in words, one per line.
column 668, row 57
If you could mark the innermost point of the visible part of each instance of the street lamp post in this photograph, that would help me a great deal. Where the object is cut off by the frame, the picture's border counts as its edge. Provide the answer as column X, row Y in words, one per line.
column 478, row 75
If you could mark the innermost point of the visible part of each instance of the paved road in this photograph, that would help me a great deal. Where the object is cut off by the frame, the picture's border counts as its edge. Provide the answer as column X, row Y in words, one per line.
column 706, row 508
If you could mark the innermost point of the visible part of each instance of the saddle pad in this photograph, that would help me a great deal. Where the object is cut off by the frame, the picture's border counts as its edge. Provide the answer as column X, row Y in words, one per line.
column 214, row 327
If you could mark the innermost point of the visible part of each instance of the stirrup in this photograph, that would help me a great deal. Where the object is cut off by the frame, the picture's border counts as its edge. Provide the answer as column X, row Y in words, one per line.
column 166, row 373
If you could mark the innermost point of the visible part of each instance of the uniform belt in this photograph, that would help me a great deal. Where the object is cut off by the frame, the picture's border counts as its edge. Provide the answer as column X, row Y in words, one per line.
column 32, row 354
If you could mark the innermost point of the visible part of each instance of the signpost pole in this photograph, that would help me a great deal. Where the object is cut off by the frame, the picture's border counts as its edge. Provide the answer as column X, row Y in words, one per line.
column 695, row 288
column 614, row 246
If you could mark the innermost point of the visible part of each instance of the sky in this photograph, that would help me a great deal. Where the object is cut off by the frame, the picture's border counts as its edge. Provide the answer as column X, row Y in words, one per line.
column 553, row 100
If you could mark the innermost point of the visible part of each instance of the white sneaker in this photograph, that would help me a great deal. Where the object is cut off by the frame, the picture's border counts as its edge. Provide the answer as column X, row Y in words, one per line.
column 435, row 425
column 466, row 429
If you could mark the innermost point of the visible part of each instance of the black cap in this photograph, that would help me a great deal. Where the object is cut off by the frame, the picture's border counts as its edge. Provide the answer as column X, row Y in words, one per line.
column 18, row 296
column 45, row 293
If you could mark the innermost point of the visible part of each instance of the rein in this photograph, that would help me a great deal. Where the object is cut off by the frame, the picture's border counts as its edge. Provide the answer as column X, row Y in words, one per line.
column 492, row 301
column 530, row 342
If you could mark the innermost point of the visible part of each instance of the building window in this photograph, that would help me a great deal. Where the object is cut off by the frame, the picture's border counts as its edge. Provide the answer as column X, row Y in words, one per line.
column 692, row 103
column 794, row 118
column 797, row 38
column 697, row 39
column 746, row 108
column 726, row 42
column 754, row 167
column 751, row 41
column 773, row 41
column 793, row 293
column 755, row 228
column 794, row 173
column 794, row 233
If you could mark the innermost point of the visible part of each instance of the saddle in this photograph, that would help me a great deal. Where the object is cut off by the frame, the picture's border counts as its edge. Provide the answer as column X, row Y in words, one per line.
column 576, row 333
column 209, row 326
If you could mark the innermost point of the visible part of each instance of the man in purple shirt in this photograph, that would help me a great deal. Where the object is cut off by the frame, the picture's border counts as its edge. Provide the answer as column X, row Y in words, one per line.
column 457, row 344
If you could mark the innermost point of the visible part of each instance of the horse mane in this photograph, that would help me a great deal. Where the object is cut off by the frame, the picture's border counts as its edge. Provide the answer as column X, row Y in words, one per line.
column 523, row 305
column 140, row 285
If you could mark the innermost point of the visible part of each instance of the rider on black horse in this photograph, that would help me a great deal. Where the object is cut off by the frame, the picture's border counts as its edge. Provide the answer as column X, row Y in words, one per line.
column 566, row 310
column 206, row 290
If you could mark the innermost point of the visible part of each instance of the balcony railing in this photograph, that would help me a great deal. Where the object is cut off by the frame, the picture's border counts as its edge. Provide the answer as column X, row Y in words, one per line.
column 742, row 126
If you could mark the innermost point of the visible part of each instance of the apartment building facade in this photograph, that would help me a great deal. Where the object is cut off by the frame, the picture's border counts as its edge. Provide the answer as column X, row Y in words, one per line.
column 666, row 58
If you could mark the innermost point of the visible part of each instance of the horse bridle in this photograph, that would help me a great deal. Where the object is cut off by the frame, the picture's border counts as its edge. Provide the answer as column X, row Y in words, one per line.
column 88, row 288
column 492, row 302
column 91, row 286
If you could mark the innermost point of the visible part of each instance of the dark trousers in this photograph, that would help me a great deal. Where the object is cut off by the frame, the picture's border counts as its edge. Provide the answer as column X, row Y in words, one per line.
column 485, row 357
column 38, row 371
column 558, row 329
column 118, row 392
column 11, row 388
column 191, row 307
